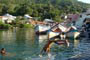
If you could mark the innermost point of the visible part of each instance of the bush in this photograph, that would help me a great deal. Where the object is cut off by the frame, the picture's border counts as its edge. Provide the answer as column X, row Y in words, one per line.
column 25, row 25
column 28, row 25
column 5, row 26
column 1, row 22
column 21, row 25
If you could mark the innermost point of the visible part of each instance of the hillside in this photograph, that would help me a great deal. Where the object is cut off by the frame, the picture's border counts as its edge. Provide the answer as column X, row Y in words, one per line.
column 42, row 8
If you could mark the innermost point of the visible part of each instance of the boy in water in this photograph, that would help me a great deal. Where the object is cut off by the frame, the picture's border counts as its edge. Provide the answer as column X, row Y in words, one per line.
column 3, row 51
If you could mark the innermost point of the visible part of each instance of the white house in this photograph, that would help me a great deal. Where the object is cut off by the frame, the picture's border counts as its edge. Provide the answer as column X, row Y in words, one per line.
column 26, row 16
column 7, row 18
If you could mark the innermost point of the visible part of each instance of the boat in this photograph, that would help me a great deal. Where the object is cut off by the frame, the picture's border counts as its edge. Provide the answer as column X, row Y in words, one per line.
column 52, row 34
column 72, row 32
column 42, row 29
column 56, row 31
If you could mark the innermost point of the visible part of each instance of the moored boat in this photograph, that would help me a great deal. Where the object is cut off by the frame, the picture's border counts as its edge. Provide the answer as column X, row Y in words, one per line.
column 42, row 29
column 56, row 31
column 52, row 34
column 72, row 32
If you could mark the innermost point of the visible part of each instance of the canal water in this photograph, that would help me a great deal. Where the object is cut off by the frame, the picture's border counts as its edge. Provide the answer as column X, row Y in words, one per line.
column 23, row 44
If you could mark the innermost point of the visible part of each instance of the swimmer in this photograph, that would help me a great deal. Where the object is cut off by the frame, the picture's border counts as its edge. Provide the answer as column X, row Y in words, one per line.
column 3, row 51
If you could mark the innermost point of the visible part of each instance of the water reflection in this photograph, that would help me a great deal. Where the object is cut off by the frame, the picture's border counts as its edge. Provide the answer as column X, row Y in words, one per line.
column 42, row 38
column 76, row 43
column 6, row 36
column 19, row 43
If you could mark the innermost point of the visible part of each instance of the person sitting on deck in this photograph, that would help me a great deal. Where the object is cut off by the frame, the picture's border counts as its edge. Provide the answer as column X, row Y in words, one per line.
column 63, row 36
column 3, row 51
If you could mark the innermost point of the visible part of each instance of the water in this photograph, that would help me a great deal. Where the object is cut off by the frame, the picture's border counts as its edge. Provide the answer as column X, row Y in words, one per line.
column 23, row 44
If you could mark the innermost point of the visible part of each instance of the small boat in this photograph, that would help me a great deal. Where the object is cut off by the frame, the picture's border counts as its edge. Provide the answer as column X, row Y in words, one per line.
column 56, row 31
column 42, row 29
column 52, row 34
column 72, row 32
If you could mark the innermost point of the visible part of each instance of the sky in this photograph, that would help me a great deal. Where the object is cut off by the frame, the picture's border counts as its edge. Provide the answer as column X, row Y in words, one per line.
column 86, row 1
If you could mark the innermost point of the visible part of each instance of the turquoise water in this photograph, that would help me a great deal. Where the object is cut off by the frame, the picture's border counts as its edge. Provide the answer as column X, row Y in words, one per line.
column 23, row 44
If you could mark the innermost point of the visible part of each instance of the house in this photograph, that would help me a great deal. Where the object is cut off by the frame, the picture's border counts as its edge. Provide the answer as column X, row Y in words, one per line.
column 71, row 19
column 49, row 22
column 26, row 16
column 7, row 18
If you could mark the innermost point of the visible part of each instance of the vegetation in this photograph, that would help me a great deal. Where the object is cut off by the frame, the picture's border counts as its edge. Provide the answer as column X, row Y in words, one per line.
column 21, row 23
column 25, row 26
column 5, row 26
column 51, row 9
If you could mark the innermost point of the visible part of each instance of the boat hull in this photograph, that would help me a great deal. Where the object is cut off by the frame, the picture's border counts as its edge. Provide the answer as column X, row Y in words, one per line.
column 52, row 34
column 41, row 29
column 73, row 35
